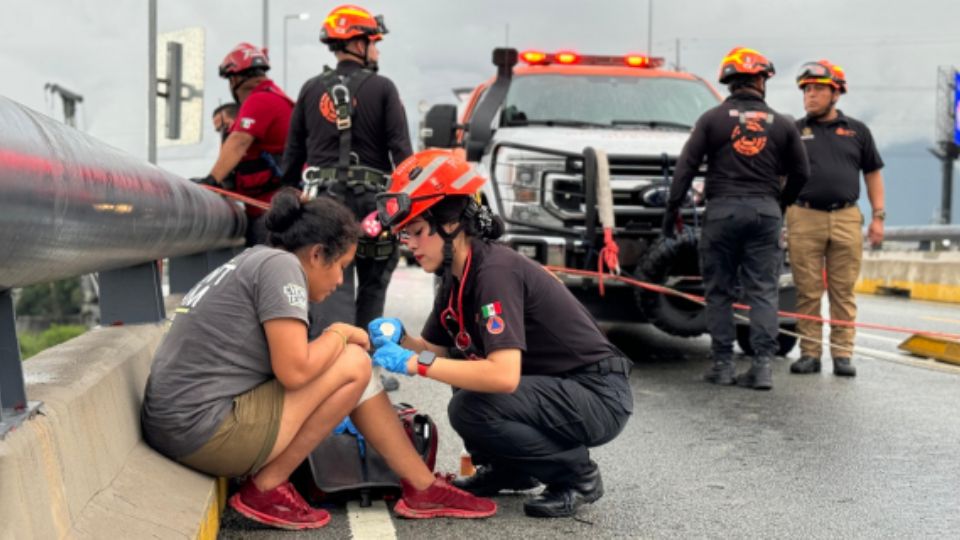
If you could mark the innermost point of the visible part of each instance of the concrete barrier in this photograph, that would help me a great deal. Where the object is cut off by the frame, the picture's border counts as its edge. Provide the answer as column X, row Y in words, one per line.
column 924, row 275
column 80, row 468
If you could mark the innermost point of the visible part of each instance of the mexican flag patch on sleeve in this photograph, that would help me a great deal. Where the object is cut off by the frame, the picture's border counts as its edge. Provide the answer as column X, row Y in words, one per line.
column 490, row 310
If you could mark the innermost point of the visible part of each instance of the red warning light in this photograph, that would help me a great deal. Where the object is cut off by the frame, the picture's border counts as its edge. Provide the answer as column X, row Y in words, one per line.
column 534, row 57
column 566, row 57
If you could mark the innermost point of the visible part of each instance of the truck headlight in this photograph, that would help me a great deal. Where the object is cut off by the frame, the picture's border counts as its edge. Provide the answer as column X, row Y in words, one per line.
column 520, row 178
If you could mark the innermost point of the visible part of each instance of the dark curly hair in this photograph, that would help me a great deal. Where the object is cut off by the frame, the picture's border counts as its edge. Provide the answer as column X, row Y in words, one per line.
column 478, row 221
column 292, row 224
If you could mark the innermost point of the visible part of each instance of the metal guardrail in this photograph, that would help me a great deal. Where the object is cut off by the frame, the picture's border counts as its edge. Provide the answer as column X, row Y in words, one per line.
column 71, row 205
column 925, row 233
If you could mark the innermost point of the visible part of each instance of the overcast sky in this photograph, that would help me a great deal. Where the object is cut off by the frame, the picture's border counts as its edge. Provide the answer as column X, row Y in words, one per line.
column 890, row 50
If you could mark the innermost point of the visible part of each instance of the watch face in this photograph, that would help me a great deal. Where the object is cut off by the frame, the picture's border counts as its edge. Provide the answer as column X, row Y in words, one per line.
column 426, row 358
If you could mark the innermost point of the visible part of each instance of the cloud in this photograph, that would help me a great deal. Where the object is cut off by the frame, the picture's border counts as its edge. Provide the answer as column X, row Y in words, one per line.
column 98, row 48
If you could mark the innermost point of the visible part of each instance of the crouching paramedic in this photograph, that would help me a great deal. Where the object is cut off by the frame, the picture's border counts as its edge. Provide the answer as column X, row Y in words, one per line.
column 251, row 153
column 237, row 390
column 543, row 384
column 348, row 129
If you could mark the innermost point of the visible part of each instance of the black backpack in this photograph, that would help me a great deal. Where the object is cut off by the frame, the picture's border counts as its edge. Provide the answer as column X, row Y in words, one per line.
column 346, row 466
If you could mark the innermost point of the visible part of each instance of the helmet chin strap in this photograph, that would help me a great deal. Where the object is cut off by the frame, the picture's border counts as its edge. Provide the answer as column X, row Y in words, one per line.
column 445, row 270
column 365, row 58
column 240, row 82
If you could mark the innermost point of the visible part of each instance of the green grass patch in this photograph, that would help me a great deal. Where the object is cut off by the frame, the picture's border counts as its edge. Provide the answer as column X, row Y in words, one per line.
column 32, row 343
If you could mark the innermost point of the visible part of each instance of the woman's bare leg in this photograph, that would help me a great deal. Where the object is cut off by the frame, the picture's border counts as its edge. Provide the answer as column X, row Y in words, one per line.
column 310, row 414
column 377, row 420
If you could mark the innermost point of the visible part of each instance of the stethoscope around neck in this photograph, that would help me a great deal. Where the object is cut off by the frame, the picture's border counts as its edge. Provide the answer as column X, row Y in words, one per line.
column 461, row 339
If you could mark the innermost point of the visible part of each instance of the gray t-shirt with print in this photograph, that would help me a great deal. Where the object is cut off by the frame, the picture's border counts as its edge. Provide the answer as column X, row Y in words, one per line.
column 216, row 348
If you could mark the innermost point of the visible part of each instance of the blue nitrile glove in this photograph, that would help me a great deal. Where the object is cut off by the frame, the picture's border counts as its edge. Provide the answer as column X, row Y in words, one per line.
column 392, row 357
column 346, row 426
column 378, row 337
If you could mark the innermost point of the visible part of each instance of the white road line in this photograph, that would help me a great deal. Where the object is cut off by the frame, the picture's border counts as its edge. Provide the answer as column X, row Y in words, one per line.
column 906, row 360
column 372, row 523
column 888, row 339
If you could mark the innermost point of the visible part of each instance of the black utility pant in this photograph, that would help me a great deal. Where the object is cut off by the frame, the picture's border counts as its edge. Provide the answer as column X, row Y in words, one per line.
column 360, row 299
column 545, row 427
column 739, row 245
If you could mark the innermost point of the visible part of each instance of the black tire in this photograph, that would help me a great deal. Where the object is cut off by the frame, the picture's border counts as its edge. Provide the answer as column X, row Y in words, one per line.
column 785, row 343
column 666, row 258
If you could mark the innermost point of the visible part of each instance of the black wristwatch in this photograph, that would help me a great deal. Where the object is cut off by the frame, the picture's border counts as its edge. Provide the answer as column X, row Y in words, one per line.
column 424, row 361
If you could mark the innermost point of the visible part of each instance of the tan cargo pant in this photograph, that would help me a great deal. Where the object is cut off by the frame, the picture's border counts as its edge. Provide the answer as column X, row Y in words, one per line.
column 834, row 240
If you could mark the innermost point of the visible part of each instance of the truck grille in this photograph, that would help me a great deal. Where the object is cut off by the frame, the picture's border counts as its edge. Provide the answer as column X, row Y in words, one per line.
column 639, row 192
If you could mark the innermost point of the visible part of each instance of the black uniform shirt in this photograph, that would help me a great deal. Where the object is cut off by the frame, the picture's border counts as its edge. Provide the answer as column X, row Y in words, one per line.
column 838, row 151
column 379, row 128
column 743, row 157
column 511, row 302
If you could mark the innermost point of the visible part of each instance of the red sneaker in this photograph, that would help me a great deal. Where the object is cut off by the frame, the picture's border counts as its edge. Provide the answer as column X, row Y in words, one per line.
column 280, row 507
column 442, row 500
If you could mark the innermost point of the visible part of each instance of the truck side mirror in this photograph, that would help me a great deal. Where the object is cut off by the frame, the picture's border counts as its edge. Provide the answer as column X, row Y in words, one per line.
column 439, row 127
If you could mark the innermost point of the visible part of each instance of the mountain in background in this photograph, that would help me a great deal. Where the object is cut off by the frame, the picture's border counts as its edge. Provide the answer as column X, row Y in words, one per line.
column 912, row 178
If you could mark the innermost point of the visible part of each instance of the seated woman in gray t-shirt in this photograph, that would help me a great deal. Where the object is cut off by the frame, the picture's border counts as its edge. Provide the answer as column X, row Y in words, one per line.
column 236, row 389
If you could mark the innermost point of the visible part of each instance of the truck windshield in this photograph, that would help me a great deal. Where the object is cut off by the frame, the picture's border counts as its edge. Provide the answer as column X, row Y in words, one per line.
column 591, row 100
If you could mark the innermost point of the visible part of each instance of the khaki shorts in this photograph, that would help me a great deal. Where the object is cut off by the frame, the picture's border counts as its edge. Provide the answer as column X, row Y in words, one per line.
column 246, row 437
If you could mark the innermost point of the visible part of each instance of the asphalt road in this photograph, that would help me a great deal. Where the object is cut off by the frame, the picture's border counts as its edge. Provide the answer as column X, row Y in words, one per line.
column 817, row 457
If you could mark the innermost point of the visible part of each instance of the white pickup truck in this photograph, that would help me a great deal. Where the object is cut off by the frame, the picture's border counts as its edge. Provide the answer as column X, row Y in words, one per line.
column 537, row 131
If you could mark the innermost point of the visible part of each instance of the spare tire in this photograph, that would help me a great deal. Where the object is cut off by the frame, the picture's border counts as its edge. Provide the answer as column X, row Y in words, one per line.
column 667, row 260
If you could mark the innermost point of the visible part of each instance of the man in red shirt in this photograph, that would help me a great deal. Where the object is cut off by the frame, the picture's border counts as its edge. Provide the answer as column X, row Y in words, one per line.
column 255, row 144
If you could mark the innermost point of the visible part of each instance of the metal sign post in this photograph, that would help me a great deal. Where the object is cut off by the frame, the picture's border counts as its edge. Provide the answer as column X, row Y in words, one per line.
column 948, row 135
column 180, row 97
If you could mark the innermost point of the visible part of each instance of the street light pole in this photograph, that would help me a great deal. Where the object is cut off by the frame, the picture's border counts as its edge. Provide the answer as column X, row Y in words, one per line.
column 286, row 18
column 152, row 81
column 266, row 25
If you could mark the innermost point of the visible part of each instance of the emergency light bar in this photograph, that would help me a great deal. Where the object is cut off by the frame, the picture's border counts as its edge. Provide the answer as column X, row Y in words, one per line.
column 540, row 58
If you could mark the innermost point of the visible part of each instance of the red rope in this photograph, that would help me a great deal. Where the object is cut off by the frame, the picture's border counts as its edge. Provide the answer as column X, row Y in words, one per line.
column 700, row 300
column 236, row 196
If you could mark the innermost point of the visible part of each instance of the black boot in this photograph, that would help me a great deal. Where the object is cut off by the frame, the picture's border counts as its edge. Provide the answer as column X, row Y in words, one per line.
column 563, row 500
column 488, row 481
column 722, row 372
column 759, row 376
column 843, row 367
column 806, row 364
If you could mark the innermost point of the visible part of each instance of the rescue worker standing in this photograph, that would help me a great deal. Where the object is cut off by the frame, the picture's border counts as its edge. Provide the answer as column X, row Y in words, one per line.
column 348, row 129
column 256, row 139
column 823, row 227
column 748, row 147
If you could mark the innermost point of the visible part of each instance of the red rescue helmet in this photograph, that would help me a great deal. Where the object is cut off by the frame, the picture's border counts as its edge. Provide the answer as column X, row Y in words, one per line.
column 822, row 72
column 244, row 57
column 423, row 180
column 348, row 22
column 745, row 61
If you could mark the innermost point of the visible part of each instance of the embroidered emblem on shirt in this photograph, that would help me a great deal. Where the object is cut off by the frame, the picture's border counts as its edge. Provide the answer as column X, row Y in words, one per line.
column 843, row 132
column 495, row 325
column 491, row 309
column 751, row 140
column 246, row 123
column 806, row 134
column 296, row 295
